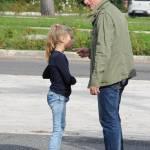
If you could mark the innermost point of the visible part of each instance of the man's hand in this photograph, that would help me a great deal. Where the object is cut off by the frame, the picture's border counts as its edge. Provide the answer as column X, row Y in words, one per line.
column 83, row 52
column 94, row 90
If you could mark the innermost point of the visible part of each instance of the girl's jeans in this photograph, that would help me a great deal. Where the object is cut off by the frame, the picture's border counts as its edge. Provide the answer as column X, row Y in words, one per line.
column 57, row 104
column 109, row 100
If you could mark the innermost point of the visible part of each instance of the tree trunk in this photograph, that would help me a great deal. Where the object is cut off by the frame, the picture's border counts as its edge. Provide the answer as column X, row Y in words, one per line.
column 47, row 8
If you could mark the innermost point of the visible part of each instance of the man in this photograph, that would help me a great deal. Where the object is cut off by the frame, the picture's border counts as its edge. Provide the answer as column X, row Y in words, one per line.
column 111, row 66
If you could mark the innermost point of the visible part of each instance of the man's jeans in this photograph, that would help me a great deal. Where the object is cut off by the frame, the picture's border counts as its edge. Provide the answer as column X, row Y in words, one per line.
column 109, row 100
column 57, row 104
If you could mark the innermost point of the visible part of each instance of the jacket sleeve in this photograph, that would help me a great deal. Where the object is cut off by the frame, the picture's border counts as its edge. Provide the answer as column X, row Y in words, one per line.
column 104, row 35
column 63, row 68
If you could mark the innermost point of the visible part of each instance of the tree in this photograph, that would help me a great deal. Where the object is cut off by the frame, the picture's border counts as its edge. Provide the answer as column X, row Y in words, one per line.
column 47, row 8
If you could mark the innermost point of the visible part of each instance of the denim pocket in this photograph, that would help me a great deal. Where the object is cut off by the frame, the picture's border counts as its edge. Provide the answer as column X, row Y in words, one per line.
column 120, row 85
column 116, row 86
column 61, row 98
column 52, row 97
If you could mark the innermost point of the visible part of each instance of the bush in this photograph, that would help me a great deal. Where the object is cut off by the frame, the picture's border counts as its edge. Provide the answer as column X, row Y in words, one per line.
column 2, row 42
column 19, row 6
column 72, row 6
column 69, row 6
column 140, row 44
column 15, row 39
column 13, row 35
column 82, row 39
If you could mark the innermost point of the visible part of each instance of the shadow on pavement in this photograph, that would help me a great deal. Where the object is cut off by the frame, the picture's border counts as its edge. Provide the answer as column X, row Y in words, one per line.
column 40, row 142
column 88, row 143
column 15, row 147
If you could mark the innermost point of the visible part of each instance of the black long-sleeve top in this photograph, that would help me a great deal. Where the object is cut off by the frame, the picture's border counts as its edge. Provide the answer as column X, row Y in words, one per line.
column 58, row 73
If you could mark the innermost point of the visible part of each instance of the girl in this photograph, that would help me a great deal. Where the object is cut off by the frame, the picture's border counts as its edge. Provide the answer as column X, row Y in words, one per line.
column 59, row 38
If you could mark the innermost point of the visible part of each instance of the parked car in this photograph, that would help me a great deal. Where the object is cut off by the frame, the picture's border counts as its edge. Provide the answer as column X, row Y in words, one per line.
column 139, row 7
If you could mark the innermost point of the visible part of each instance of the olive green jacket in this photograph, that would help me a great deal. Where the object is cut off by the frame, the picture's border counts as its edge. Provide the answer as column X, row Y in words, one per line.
column 111, row 52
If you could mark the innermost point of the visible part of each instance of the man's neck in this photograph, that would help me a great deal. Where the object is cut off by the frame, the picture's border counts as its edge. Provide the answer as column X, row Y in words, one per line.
column 97, row 3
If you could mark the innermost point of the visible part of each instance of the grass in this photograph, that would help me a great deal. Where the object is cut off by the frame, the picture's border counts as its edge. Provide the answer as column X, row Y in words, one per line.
column 14, row 29
column 139, row 19
column 78, row 22
column 140, row 24
column 140, row 43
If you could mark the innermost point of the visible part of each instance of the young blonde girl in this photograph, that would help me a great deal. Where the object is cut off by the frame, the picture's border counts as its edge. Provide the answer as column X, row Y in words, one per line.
column 59, row 38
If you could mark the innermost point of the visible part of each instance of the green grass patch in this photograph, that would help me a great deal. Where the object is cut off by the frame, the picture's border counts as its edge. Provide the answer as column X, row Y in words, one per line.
column 139, row 19
column 14, row 30
column 135, row 24
column 12, row 38
column 140, row 43
column 73, row 21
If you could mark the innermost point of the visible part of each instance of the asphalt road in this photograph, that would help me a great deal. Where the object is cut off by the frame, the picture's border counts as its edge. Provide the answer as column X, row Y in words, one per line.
column 80, row 69
column 40, row 142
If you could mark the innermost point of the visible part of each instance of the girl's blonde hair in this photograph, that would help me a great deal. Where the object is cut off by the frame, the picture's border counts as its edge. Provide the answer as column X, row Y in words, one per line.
column 56, row 31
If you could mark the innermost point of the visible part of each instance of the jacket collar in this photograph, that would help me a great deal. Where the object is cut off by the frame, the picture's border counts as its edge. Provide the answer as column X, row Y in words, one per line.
column 98, row 8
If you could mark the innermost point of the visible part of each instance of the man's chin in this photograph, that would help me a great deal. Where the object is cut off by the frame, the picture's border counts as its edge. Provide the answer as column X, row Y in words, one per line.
column 91, row 7
column 88, row 6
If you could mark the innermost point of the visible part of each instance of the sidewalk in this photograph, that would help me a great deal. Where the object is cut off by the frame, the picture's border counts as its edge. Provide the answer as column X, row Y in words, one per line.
column 24, row 109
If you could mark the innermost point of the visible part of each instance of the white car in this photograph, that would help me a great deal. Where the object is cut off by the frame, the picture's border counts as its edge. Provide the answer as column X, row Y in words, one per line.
column 139, row 7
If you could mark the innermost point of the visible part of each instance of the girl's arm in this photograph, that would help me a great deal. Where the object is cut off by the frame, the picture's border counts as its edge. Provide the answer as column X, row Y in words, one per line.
column 63, row 68
column 73, row 80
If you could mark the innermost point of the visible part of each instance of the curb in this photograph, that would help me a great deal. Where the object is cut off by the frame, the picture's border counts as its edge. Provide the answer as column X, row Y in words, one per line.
column 27, row 54
column 38, row 14
column 40, row 55
column 33, row 14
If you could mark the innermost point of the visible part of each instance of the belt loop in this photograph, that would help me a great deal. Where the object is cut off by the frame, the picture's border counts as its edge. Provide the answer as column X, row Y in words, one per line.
column 124, row 82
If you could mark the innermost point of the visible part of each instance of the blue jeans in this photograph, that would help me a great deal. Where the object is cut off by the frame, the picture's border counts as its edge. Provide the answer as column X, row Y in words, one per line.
column 57, row 104
column 109, row 100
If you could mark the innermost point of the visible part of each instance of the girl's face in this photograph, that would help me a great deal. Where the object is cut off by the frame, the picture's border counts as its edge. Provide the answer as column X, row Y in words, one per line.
column 68, row 41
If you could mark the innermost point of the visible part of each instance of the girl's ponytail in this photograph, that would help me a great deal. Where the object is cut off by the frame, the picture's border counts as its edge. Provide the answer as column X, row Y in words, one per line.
column 49, row 47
